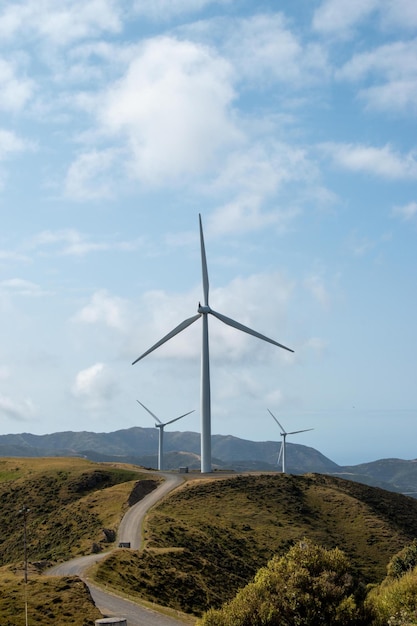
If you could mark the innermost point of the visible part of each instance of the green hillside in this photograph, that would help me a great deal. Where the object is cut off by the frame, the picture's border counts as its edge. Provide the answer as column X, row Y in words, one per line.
column 70, row 501
column 209, row 538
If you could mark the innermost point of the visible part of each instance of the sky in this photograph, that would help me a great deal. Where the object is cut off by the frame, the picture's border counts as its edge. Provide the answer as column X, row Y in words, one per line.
column 291, row 128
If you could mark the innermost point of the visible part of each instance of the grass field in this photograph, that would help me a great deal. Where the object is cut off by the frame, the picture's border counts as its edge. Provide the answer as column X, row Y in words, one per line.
column 209, row 538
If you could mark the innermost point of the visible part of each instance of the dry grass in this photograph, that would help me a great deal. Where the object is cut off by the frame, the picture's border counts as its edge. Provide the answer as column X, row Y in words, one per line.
column 50, row 601
column 223, row 530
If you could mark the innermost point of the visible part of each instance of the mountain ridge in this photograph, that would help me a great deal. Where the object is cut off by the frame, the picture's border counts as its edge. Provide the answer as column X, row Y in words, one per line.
column 182, row 449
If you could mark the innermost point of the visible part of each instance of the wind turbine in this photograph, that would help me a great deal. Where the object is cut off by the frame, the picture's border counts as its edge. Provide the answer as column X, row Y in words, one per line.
column 284, row 441
column 161, row 427
column 204, row 311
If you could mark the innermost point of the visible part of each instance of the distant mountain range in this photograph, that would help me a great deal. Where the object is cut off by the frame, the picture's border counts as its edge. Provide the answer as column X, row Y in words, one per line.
column 182, row 449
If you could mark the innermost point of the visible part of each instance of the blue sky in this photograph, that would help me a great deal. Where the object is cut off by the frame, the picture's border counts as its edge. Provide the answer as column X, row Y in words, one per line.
column 291, row 128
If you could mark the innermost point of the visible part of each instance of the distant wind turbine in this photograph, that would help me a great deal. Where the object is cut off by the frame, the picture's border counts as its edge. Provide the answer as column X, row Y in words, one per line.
column 204, row 311
column 284, row 434
column 161, row 427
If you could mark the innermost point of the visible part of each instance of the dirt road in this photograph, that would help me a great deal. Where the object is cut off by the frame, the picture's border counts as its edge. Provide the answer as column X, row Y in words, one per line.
column 130, row 531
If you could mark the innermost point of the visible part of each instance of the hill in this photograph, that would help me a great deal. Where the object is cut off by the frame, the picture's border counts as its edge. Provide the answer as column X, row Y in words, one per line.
column 139, row 446
column 209, row 538
column 75, row 506
column 202, row 543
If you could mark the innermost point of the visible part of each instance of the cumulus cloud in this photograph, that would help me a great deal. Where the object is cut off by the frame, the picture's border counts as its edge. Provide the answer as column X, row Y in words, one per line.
column 106, row 309
column 21, row 287
column 166, row 9
column 406, row 212
column 173, row 107
column 390, row 70
column 14, row 91
column 19, row 411
column 60, row 23
column 71, row 242
column 88, row 177
column 336, row 16
column 96, row 385
column 384, row 162
column 264, row 48
column 10, row 143
column 259, row 173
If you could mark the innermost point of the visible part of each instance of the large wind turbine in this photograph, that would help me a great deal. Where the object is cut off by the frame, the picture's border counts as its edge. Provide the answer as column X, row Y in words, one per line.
column 204, row 311
column 161, row 427
column 284, row 441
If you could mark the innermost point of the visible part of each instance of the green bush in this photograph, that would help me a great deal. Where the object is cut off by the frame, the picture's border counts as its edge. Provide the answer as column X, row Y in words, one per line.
column 394, row 601
column 404, row 561
column 309, row 586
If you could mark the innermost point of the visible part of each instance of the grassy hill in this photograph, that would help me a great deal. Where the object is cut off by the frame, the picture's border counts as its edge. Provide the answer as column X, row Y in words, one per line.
column 208, row 539
column 70, row 502
column 205, row 541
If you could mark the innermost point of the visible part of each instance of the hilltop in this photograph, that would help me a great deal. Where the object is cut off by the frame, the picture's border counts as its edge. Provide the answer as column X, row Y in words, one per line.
column 208, row 539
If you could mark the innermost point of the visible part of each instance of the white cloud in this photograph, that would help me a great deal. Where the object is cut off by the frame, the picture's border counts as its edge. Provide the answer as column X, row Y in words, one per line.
column 14, row 91
column 16, row 411
column 392, row 70
column 70, row 242
column 21, row 287
column 10, row 144
column 259, row 173
column 166, row 9
column 60, row 23
column 265, row 49
column 406, row 212
column 173, row 109
column 339, row 16
column 96, row 385
column 258, row 301
column 89, row 178
column 384, row 162
column 106, row 309
column 401, row 13
column 316, row 286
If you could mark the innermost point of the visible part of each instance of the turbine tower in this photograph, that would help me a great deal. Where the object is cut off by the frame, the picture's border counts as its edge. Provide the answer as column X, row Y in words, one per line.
column 161, row 427
column 284, row 434
column 204, row 311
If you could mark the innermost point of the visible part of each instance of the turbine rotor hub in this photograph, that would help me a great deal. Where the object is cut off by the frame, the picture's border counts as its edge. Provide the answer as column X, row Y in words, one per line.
column 203, row 309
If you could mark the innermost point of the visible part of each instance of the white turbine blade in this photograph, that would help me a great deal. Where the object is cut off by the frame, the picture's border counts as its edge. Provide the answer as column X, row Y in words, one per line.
column 294, row 432
column 204, row 265
column 169, row 336
column 272, row 415
column 178, row 418
column 246, row 329
column 150, row 412
column 280, row 454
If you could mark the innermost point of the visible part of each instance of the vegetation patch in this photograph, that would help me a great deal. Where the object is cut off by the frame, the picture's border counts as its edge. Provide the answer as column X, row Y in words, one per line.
column 50, row 601
column 228, row 528
column 70, row 502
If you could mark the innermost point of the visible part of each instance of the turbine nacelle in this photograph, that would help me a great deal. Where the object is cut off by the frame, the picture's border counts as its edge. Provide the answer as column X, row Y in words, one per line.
column 203, row 309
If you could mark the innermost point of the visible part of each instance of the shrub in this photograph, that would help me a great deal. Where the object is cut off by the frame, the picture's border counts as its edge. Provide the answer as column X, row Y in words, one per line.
column 309, row 586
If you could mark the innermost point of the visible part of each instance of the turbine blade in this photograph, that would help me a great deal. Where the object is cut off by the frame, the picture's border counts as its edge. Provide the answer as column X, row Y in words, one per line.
column 204, row 265
column 150, row 412
column 246, row 329
column 178, row 418
column 169, row 336
column 294, row 432
column 280, row 425
column 280, row 453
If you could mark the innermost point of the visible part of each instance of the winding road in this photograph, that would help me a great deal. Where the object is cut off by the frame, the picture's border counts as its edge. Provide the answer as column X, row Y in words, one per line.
column 130, row 531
